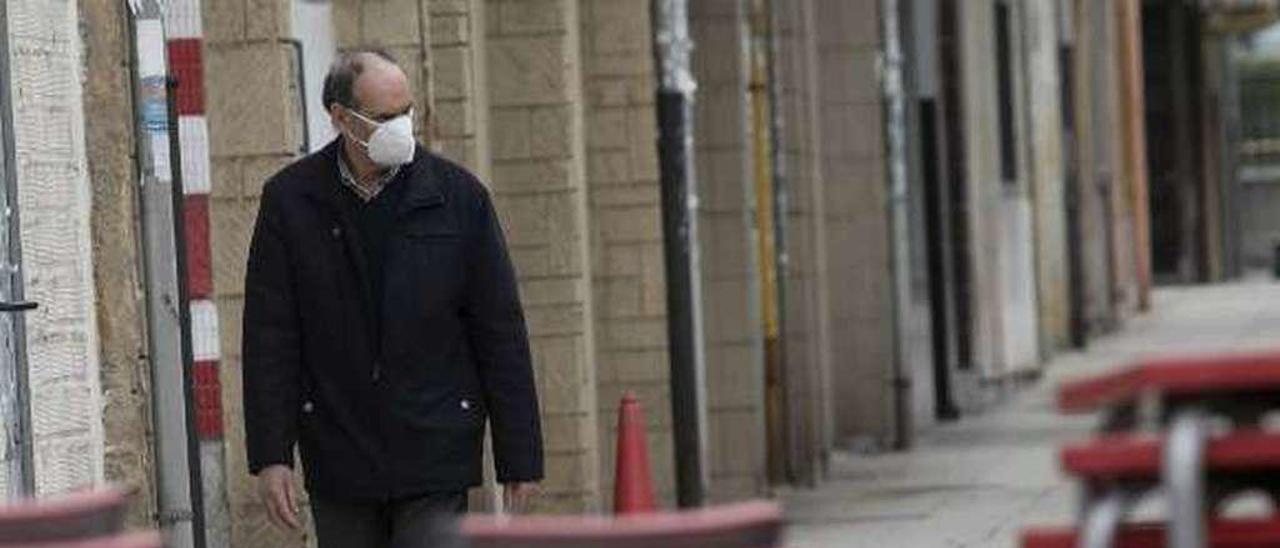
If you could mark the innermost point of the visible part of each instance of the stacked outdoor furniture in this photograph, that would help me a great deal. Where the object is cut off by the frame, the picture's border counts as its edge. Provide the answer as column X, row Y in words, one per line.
column 1188, row 429
column 82, row 520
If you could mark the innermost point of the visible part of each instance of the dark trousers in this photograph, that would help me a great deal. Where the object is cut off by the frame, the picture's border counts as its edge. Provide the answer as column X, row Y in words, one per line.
column 411, row 523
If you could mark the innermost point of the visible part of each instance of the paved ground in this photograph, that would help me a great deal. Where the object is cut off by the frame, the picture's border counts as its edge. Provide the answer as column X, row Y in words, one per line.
column 977, row 482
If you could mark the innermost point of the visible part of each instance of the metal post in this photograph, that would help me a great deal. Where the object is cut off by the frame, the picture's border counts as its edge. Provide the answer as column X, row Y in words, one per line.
column 178, row 467
column 897, row 120
column 672, row 48
column 1102, row 520
column 16, row 409
column 770, row 214
column 1183, row 476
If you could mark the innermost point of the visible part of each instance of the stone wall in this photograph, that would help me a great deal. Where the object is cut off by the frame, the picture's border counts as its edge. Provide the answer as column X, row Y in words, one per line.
column 804, row 325
column 859, row 306
column 731, row 285
column 255, row 128
column 459, row 128
column 626, row 232
column 121, row 315
column 535, row 76
column 54, row 195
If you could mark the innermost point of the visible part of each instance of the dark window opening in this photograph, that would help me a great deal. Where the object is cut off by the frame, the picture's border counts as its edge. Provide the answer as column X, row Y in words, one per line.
column 1004, row 75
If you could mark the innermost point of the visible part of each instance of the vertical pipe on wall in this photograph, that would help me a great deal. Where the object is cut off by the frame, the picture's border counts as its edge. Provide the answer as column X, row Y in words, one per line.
column 1135, row 143
column 1077, row 331
column 776, row 381
column 178, row 463
column 896, row 121
column 763, row 151
column 675, row 97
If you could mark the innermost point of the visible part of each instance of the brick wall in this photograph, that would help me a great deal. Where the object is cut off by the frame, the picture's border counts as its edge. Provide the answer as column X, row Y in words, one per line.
column 539, row 183
column 54, row 195
column 731, row 291
column 626, row 232
column 255, row 128
column 459, row 128
column 860, row 310
column 803, row 323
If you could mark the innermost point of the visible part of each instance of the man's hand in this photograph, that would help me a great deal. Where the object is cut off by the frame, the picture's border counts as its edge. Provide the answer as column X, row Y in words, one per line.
column 515, row 496
column 275, row 488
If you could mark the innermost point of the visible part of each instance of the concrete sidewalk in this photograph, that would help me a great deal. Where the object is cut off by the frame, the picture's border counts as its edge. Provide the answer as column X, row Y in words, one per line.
column 979, row 481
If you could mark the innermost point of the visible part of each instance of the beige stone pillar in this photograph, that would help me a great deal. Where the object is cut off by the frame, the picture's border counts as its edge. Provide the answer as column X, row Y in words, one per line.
column 536, row 123
column 859, row 295
column 255, row 128
column 731, row 284
column 628, row 281
column 803, row 321
column 119, row 307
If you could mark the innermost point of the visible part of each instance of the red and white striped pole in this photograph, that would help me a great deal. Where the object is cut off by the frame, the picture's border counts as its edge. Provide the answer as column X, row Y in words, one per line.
column 185, row 54
column 186, row 65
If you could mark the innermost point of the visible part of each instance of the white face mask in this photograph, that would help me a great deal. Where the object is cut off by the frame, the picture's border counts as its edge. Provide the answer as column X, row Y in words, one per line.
column 392, row 143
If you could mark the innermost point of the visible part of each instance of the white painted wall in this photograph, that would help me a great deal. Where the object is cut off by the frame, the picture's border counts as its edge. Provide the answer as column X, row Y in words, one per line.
column 54, row 201
column 1004, row 309
column 313, row 26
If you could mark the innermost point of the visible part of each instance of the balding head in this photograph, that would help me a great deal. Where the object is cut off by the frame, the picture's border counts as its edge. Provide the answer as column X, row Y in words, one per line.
column 366, row 80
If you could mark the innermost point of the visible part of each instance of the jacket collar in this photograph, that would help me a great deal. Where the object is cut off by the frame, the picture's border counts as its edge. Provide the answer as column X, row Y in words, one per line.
column 423, row 191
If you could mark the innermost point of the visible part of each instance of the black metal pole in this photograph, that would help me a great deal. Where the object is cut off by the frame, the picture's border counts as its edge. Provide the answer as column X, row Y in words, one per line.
column 680, row 243
column 21, row 405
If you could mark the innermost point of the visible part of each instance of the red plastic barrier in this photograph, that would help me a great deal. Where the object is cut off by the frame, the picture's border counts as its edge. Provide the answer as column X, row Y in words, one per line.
column 133, row 540
column 91, row 514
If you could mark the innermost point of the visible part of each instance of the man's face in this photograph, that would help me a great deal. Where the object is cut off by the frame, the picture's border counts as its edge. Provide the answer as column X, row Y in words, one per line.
column 381, row 93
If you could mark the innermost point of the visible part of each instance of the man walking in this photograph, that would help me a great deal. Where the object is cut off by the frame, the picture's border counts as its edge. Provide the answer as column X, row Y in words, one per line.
column 382, row 327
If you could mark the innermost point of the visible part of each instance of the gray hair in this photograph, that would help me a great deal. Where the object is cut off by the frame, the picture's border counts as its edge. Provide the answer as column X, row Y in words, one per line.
column 339, row 84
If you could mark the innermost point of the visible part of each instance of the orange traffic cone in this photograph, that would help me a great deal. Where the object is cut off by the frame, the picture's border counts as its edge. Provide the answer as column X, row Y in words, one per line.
column 633, row 482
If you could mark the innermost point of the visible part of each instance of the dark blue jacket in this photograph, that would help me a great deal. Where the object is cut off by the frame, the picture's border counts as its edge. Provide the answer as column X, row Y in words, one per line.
column 402, row 415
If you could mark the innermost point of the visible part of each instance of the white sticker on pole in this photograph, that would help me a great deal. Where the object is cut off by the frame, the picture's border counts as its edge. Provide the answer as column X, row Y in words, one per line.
column 151, row 48
column 160, row 156
column 204, row 331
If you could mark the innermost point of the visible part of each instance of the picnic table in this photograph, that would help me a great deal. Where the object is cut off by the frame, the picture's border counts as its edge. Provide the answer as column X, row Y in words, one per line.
column 1192, row 428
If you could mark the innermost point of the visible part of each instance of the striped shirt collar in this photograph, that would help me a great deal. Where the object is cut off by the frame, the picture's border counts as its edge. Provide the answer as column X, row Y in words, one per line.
column 365, row 193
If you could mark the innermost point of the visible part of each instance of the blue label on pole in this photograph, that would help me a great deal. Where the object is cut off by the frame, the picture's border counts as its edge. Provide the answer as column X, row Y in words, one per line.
column 155, row 104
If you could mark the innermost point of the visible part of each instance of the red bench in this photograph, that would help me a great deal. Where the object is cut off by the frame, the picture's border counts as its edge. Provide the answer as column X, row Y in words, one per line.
column 1262, row 533
column 1188, row 396
column 1138, row 456
column 1174, row 376
column 748, row 525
